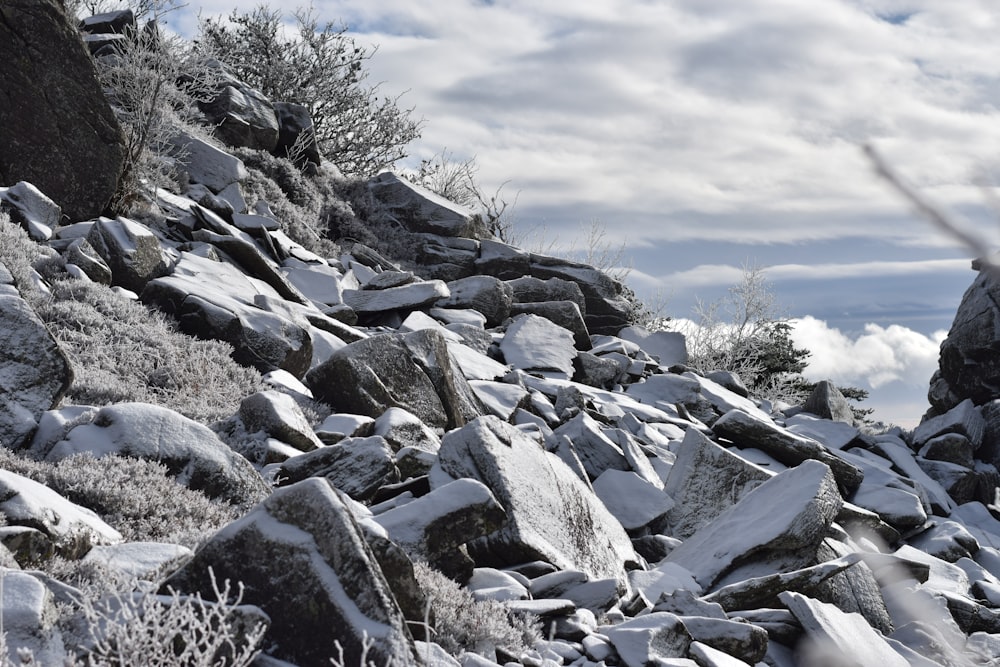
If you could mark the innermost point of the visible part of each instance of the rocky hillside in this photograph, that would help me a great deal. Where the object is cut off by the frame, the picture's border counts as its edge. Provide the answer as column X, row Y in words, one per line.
column 458, row 455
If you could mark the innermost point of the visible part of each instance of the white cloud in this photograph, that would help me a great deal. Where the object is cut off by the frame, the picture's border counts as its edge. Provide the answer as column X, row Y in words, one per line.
column 877, row 357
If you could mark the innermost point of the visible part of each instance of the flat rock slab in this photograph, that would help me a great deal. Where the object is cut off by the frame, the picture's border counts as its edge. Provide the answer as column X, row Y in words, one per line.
column 533, row 486
column 535, row 343
column 747, row 430
column 789, row 512
column 631, row 499
column 647, row 639
column 404, row 297
column 840, row 636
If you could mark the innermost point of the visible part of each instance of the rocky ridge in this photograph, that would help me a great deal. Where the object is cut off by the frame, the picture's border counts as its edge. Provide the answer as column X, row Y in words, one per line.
column 492, row 415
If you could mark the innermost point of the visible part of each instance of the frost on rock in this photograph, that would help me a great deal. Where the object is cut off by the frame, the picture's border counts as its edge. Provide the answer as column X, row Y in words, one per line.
column 533, row 486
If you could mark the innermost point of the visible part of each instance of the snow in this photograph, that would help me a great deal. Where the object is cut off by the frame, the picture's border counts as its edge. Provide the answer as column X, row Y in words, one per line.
column 833, row 434
column 725, row 400
column 534, row 343
column 137, row 559
column 665, row 578
column 475, row 365
column 458, row 316
column 631, row 499
column 792, row 509
column 501, row 398
column 320, row 283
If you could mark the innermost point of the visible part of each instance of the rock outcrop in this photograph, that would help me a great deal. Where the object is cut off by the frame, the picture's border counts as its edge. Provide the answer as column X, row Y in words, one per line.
column 56, row 128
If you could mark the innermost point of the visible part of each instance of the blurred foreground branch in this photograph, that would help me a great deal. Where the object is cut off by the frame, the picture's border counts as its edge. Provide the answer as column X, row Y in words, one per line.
column 942, row 220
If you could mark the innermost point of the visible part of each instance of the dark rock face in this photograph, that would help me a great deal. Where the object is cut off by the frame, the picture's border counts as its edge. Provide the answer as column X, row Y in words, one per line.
column 969, row 366
column 56, row 128
column 34, row 371
column 242, row 115
column 293, row 122
column 414, row 372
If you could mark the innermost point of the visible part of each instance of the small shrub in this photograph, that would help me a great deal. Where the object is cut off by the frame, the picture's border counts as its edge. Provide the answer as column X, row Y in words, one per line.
column 134, row 496
column 462, row 623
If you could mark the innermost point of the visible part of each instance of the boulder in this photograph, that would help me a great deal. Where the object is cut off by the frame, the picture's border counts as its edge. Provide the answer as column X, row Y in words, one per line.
column 827, row 402
column 30, row 620
column 838, row 636
column 240, row 115
column 608, row 310
column 412, row 371
column 72, row 530
column 80, row 253
column 215, row 300
column 486, row 294
column 132, row 252
column 528, row 289
column 420, row 210
column 632, row 500
column 532, row 486
column 279, row 416
column 435, row 527
column 29, row 207
column 113, row 22
column 534, row 343
column 57, row 130
column 34, row 371
column 303, row 560
column 746, row 430
column 788, row 514
column 740, row 640
column 594, row 449
column 191, row 452
column 206, row 164
column 355, row 466
column 563, row 313
column 652, row 639
column 964, row 419
column 704, row 480
column 296, row 138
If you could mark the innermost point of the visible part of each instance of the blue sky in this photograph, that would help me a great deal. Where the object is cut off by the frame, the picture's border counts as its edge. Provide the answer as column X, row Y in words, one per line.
column 707, row 134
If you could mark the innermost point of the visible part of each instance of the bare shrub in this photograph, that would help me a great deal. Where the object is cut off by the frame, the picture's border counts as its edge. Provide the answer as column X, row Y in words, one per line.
column 462, row 623
column 134, row 496
column 321, row 68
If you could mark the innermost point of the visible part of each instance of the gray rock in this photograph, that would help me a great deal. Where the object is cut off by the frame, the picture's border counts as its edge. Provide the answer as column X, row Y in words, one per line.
column 279, row 416
column 30, row 620
column 565, row 314
column 131, row 251
column 968, row 365
column 650, row 639
column 789, row 513
column 534, row 343
column 71, row 529
column 191, row 452
column 57, row 129
column 635, row 502
column 671, row 390
column 608, row 310
column 239, row 114
column 82, row 254
column 29, row 207
column 748, row 431
column 435, row 527
column 206, row 164
column 34, row 371
column 595, row 450
column 404, row 297
column 303, row 544
column 533, row 485
column 704, row 480
column 355, row 466
column 740, row 640
column 293, row 122
column 402, row 429
column 827, row 402
column 951, row 447
column 527, row 289
column 485, row 294
column 839, row 635
column 420, row 210
column 115, row 22
column 964, row 419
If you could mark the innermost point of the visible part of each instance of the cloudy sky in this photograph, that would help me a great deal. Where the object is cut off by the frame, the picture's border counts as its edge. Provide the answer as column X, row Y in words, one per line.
column 709, row 134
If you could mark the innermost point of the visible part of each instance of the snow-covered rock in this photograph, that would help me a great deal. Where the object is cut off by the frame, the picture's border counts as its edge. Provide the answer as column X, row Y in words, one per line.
column 302, row 543
column 532, row 486
column 533, row 343
column 354, row 466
